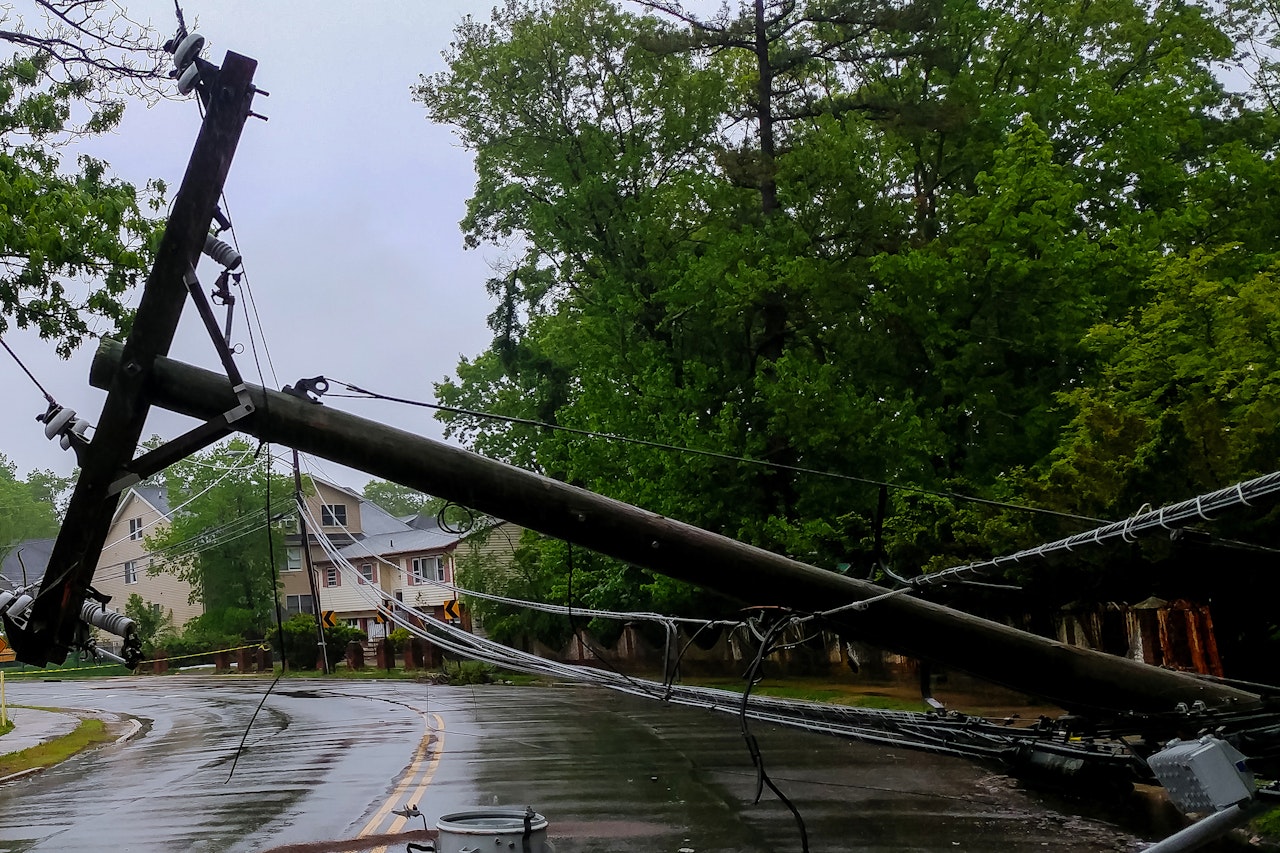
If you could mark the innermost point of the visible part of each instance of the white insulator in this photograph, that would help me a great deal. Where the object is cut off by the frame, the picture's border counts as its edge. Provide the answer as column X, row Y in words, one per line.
column 221, row 252
column 54, row 423
column 16, row 607
column 78, row 426
column 189, row 79
column 114, row 623
column 188, row 49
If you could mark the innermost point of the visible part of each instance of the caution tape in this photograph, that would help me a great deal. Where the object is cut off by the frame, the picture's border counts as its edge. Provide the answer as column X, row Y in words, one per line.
column 10, row 673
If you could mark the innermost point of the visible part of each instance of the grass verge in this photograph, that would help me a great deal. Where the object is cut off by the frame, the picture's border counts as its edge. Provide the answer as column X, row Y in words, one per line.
column 88, row 734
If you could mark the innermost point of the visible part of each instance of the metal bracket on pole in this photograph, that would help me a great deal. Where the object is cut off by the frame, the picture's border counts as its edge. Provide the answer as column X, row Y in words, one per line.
column 207, row 433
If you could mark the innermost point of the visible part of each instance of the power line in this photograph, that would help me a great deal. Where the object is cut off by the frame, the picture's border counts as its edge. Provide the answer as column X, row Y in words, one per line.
column 362, row 393
column 47, row 396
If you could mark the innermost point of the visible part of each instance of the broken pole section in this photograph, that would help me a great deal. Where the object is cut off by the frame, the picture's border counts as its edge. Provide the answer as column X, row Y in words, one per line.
column 55, row 614
column 1079, row 679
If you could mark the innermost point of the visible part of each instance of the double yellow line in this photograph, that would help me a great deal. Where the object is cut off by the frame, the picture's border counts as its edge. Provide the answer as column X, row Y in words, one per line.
column 413, row 787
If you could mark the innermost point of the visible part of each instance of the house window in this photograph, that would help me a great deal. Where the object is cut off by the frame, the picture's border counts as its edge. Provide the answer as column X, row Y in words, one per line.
column 130, row 572
column 440, row 569
column 135, row 528
column 295, row 604
column 155, row 610
column 367, row 573
column 293, row 559
column 426, row 570
column 333, row 515
column 332, row 577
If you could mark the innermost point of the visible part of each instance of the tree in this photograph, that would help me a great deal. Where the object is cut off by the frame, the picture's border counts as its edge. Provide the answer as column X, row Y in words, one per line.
column 903, row 286
column 27, row 508
column 401, row 500
column 76, row 240
column 155, row 626
column 223, row 536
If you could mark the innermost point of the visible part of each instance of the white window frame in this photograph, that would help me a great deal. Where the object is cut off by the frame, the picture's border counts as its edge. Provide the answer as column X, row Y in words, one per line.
column 371, row 577
column 130, row 572
column 135, row 529
column 440, row 566
column 332, row 577
column 293, row 559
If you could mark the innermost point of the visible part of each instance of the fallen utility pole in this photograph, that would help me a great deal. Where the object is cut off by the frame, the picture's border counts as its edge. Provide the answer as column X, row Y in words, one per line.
column 1073, row 678
column 55, row 617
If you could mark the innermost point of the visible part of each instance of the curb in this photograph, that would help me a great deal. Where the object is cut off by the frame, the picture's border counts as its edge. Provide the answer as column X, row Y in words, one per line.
column 136, row 726
column 12, row 776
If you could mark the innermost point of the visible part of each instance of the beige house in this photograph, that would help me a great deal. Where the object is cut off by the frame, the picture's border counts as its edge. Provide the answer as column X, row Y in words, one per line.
column 403, row 558
column 122, row 568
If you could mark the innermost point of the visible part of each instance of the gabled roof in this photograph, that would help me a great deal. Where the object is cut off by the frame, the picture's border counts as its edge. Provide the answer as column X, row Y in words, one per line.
column 156, row 497
column 32, row 553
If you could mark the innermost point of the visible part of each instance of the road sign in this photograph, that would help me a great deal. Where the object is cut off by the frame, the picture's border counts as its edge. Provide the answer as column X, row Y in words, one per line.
column 380, row 617
column 3, row 644
column 451, row 610
column 328, row 619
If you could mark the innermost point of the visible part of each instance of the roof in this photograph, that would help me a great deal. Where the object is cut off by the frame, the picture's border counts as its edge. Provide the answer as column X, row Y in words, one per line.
column 375, row 520
column 157, row 497
column 34, row 555
column 400, row 542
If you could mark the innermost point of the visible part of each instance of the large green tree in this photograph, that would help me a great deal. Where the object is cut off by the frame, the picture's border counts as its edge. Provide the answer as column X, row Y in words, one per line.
column 883, row 246
column 223, row 536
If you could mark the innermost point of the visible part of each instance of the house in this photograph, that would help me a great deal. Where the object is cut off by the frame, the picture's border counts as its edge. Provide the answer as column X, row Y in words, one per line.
column 408, row 565
column 122, row 567
column 402, row 557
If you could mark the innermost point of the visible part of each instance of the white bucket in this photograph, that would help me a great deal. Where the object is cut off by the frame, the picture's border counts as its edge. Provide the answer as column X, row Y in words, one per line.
column 493, row 830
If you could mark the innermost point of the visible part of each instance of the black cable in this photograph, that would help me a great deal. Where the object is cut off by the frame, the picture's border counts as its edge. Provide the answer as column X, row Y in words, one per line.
column 271, row 555
column 573, row 628
column 362, row 393
column 245, row 736
column 753, row 746
column 47, row 396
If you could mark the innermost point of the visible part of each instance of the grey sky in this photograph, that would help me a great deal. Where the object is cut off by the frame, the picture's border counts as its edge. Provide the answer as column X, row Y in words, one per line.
column 345, row 205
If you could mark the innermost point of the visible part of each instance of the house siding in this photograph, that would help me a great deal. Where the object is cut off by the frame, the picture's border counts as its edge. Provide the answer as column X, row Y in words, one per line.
column 167, row 590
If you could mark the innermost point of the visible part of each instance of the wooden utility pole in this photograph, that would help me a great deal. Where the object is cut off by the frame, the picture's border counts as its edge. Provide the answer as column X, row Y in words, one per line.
column 306, row 561
column 56, row 611
column 1072, row 678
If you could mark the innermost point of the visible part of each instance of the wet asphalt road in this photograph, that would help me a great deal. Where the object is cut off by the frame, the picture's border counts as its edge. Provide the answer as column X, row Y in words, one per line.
column 329, row 760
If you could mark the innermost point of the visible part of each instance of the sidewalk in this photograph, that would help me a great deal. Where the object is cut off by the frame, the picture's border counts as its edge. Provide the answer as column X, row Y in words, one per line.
column 32, row 728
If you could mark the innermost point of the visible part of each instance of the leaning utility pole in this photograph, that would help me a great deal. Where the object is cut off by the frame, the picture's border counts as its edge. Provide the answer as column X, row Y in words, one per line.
column 1071, row 677
column 301, row 498
column 107, row 464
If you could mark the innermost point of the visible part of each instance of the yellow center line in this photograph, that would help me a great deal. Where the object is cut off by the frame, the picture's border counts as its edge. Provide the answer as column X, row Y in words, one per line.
column 427, row 775
column 431, row 738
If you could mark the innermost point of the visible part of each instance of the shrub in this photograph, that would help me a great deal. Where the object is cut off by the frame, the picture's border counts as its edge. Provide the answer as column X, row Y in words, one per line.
column 300, row 642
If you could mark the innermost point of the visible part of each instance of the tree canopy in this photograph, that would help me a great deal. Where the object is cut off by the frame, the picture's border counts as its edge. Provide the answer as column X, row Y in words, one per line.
column 28, row 508
column 74, row 239
column 223, row 537
column 1018, row 252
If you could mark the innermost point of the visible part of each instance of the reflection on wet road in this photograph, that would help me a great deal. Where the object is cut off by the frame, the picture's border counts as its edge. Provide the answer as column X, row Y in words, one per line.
column 331, row 760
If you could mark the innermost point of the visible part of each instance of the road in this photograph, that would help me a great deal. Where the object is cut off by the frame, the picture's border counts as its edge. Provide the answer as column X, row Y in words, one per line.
column 329, row 760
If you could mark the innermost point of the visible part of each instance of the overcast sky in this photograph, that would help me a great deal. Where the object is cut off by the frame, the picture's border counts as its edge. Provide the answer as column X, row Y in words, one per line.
column 346, row 205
